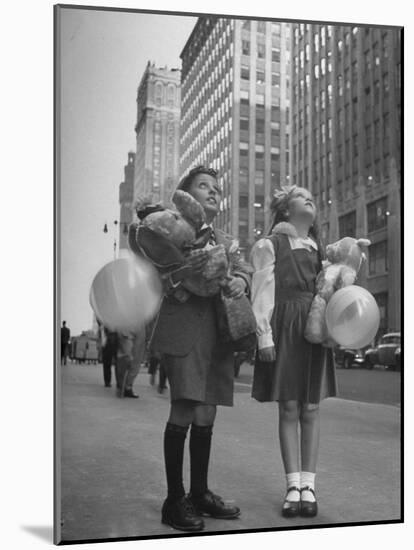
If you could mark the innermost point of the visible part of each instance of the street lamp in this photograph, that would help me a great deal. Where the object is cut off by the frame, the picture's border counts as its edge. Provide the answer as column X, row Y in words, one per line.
column 115, row 224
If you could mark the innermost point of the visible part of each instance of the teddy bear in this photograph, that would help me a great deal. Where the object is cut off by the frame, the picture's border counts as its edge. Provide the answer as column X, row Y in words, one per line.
column 340, row 269
column 166, row 236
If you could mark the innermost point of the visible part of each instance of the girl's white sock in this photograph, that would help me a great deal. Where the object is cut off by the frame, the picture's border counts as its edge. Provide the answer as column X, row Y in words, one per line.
column 307, row 479
column 293, row 480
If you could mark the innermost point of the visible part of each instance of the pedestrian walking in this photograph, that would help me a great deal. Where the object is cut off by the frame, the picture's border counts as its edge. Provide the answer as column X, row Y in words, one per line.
column 64, row 342
column 288, row 369
column 130, row 354
column 109, row 353
column 199, row 369
column 156, row 366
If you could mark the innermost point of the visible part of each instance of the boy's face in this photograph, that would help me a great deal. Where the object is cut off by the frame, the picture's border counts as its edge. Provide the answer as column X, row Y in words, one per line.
column 206, row 190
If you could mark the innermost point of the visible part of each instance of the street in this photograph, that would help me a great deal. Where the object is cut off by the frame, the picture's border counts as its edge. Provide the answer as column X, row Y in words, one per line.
column 113, row 481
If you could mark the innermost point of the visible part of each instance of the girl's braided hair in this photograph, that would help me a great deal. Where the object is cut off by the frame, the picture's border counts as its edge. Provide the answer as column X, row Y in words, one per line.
column 279, row 208
column 187, row 180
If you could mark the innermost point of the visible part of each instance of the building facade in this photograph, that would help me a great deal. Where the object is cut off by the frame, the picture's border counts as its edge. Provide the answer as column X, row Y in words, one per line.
column 126, row 200
column 346, row 142
column 235, row 84
column 157, row 133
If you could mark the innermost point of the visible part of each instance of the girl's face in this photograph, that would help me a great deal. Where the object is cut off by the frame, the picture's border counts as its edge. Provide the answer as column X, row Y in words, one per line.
column 206, row 190
column 301, row 205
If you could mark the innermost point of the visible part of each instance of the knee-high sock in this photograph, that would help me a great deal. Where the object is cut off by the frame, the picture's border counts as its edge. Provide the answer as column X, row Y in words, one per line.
column 174, row 439
column 200, row 445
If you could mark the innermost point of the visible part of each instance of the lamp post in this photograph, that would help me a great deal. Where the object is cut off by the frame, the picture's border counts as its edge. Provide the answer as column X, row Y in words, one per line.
column 115, row 225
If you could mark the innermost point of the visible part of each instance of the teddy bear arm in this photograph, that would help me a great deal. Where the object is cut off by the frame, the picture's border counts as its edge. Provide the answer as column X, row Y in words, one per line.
column 346, row 277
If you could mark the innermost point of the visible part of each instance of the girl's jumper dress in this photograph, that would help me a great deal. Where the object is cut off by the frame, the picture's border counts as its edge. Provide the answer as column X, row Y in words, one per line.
column 302, row 371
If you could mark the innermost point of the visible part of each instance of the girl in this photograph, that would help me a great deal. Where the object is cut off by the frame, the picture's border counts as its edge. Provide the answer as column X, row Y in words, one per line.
column 288, row 369
column 199, row 370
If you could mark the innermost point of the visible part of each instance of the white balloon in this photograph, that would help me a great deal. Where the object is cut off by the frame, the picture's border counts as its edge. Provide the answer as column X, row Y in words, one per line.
column 126, row 294
column 352, row 317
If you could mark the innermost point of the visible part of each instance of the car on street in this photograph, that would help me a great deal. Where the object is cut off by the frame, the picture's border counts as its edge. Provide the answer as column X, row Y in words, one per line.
column 386, row 352
column 348, row 358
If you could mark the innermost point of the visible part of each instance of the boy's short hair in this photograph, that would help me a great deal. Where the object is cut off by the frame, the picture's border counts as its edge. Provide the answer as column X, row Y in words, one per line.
column 188, row 179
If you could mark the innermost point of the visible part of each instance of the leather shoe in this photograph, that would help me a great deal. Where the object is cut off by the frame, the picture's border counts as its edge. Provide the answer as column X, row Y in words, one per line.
column 308, row 509
column 291, row 509
column 130, row 393
column 212, row 505
column 180, row 514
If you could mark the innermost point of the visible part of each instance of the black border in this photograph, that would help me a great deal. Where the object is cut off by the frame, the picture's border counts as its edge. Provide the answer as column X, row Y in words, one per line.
column 56, row 274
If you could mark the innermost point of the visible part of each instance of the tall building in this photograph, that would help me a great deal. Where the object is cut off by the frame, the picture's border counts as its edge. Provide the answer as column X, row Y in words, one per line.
column 235, row 115
column 126, row 198
column 346, row 139
column 158, row 133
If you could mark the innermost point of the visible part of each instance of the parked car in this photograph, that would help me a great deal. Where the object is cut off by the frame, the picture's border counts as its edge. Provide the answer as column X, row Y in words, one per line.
column 348, row 358
column 398, row 358
column 385, row 352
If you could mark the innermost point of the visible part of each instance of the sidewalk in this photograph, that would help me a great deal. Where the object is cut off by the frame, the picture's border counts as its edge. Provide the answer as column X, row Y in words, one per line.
column 113, row 481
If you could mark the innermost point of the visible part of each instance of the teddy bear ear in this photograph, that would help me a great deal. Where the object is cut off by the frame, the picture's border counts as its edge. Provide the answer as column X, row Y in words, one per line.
column 189, row 208
column 363, row 242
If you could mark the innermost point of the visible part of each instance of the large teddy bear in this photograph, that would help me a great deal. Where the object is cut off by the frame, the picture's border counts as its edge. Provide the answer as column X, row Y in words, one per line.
column 166, row 236
column 344, row 259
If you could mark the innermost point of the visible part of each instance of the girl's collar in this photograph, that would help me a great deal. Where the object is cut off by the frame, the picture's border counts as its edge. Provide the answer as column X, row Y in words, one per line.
column 286, row 228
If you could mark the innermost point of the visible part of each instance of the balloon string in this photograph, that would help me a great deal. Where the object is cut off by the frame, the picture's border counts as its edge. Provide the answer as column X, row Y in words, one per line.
column 154, row 326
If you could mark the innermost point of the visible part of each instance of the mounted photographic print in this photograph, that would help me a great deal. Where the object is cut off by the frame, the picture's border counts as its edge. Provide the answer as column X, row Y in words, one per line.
column 228, row 264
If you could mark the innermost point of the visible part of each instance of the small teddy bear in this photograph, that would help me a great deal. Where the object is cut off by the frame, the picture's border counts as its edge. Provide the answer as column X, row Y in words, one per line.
column 167, row 236
column 344, row 259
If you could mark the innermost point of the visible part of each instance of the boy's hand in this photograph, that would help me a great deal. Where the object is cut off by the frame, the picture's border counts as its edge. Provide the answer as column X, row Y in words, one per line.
column 267, row 354
column 234, row 287
column 196, row 260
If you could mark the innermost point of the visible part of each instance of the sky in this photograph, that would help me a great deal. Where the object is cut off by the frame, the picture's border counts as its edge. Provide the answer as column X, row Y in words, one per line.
column 103, row 57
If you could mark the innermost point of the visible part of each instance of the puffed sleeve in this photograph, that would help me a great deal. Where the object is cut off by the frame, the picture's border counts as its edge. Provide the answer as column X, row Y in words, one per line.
column 263, row 290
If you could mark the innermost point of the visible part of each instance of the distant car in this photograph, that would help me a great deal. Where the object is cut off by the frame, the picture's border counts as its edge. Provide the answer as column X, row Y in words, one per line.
column 385, row 352
column 348, row 358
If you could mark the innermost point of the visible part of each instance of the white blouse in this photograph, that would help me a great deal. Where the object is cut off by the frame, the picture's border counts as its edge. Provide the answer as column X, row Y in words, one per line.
column 263, row 284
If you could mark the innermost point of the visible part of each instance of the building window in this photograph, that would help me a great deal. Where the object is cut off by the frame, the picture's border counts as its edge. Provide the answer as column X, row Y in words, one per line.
column 243, row 175
column 347, row 225
column 261, row 51
column 376, row 91
column 259, row 177
column 261, row 26
column 339, row 82
column 244, row 97
column 260, row 77
column 243, row 201
column 367, row 59
column 260, row 125
column 275, row 79
column 382, row 301
column 276, row 28
column 245, row 47
column 378, row 261
column 275, row 55
column 386, row 84
column 377, row 215
column 259, row 151
column 245, row 73
column 244, row 123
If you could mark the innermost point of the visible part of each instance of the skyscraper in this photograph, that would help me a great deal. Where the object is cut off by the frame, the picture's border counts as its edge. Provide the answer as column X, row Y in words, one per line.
column 346, row 139
column 158, row 133
column 126, row 194
column 235, row 115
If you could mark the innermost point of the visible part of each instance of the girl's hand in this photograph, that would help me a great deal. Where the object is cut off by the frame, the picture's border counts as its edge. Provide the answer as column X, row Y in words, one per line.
column 267, row 354
column 234, row 287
